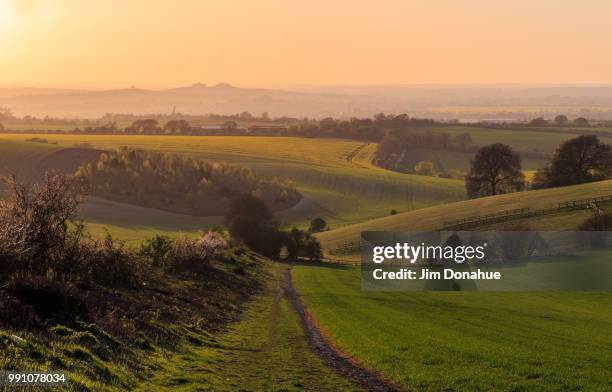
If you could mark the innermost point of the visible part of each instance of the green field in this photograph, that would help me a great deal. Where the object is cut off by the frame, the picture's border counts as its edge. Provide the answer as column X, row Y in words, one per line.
column 336, row 176
column 543, row 140
column 265, row 351
column 469, row 341
column 436, row 341
column 433, row 218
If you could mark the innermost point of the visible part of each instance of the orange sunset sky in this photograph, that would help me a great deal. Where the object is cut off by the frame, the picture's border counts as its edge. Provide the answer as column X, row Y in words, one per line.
column 156, row 43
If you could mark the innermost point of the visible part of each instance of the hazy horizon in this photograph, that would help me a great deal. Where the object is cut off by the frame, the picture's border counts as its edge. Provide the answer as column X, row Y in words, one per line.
column 107, row 45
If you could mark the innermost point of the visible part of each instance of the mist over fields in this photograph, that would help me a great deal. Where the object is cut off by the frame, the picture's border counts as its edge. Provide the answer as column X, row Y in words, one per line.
column 446, row 102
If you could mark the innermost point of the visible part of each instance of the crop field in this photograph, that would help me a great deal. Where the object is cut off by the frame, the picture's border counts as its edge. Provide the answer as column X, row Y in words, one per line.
column 336, row 176
column 434, row 217
column 18, row 156
column 446, row 161
column 434, row 341
column 525, row 140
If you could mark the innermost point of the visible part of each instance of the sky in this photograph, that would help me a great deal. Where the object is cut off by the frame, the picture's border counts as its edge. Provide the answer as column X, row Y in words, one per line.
column 155, row 43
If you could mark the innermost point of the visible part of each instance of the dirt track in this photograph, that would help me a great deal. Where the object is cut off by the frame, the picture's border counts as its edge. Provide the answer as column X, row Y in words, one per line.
column 330, row 355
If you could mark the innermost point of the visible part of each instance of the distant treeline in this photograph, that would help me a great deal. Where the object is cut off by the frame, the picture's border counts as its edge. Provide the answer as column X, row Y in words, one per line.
column 180, row 184
column 243, row 124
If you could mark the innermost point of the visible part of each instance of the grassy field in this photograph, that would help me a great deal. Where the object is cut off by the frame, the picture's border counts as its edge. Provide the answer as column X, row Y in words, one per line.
column 523, row 139
column 336, row 176
column 436, row 341
column 434, row 217
column 265, row 351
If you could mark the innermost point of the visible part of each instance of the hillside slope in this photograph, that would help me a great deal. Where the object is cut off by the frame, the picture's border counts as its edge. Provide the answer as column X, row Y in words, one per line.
column 335, row 176
column 432, row 218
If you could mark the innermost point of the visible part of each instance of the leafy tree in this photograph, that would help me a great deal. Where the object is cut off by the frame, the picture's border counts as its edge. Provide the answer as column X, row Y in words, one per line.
column 581, row 122
column 177, row 126
column 561, row 119
column 317, row 225
column 313, row 249
column 230, row 125
column 464, row 140
column 302, row 244
column 249, row 220
column 496, row 169
column 144, row 126
column 538, row 122
column 294, row 243
column 425, row 168
column 178, row 183
column 577, row 161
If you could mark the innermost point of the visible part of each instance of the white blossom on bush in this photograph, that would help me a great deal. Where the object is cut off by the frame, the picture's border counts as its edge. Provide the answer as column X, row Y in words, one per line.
column 210, row 244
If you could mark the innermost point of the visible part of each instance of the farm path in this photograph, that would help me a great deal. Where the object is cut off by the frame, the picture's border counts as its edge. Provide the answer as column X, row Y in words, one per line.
column 330, row 354
column 266, row 350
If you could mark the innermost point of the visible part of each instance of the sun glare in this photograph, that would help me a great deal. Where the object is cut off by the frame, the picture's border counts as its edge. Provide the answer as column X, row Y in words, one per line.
column 6, row 16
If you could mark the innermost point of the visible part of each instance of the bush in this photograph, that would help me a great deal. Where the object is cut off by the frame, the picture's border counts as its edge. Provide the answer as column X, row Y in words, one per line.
column 195, row 254
column 210, row 244
column 112, row 264
column 40, row 236
column 317, row 225
column 425, row 168
column 38, row 229
column 158, row 249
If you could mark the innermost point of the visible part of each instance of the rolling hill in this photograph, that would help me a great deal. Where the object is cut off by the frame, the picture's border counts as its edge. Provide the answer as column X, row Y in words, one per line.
column 336, row 176
column 435, row 217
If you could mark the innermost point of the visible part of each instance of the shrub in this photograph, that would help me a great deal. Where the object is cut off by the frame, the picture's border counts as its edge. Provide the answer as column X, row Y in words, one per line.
column 40, row 236
column 317, row 225
column 195, row 254
column 425, row 168
column 110, row 263
column 158, row 249
column 38, row 229
column 210, row 244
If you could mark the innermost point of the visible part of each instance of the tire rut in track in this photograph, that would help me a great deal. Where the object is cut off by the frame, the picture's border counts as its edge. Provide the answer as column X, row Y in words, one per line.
column 331, row 356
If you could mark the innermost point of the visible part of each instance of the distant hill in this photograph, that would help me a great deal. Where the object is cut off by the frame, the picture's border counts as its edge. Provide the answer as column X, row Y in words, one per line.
column 491, row 102
column 196, row 99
